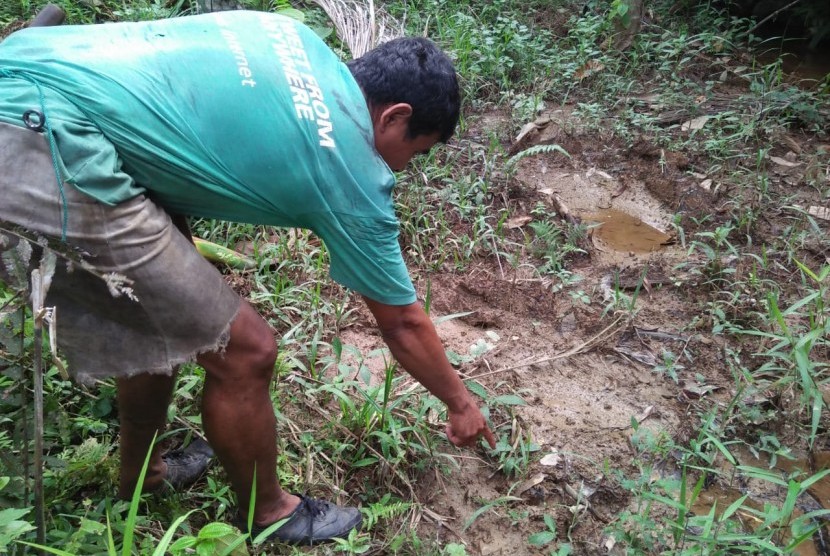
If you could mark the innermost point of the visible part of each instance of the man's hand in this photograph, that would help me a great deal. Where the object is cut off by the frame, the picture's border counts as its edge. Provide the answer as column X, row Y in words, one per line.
column 467, row 425
column 413, row 341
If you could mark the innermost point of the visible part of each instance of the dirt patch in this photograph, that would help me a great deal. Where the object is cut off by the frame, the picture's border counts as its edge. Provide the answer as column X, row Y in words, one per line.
column 584, row 367
column 579, row 408
column 583, row 382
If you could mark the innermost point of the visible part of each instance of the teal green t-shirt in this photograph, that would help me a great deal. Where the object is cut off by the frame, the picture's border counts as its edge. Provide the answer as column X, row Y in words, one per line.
column 241, row 116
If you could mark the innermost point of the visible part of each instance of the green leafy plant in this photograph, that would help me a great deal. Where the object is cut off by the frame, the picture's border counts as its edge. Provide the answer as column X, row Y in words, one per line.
column 12, row 526
column 545, row 537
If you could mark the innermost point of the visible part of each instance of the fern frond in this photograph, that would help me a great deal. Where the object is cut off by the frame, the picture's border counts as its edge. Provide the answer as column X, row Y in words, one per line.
column 534, row 150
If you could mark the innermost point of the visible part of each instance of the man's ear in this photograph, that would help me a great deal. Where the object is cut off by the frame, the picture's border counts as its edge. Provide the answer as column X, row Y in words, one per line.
column 393, row 114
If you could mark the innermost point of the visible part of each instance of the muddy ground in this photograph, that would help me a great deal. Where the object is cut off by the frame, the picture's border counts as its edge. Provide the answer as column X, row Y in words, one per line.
column 584, row 371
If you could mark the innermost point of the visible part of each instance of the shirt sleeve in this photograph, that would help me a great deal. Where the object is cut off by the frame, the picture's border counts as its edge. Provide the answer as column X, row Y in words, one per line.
column 366, row 257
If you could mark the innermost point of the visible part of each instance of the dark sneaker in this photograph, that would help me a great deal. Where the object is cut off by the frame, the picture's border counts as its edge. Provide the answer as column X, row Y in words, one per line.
column 185, row 466
column 314, row 521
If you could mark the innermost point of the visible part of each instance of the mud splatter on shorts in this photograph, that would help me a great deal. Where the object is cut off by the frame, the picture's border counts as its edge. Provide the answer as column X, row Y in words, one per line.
column 183, row 307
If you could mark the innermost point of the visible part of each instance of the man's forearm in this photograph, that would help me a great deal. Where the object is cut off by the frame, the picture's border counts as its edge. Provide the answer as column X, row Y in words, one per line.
column 420, row 352
column 413, row 341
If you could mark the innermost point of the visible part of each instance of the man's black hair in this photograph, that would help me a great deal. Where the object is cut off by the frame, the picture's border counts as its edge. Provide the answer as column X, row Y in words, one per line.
column 415, row 71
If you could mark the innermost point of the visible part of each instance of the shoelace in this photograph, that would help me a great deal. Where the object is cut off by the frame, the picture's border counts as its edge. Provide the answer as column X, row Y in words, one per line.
column 180, row 457
column 314, row 508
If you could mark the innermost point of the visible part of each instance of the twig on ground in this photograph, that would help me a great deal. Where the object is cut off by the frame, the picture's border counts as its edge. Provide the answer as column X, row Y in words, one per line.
column 585, row 346
column 441, row 521
column 562, row 209
column 576, row 496
column 498, row 257
column 660, row 335
column 772, row 15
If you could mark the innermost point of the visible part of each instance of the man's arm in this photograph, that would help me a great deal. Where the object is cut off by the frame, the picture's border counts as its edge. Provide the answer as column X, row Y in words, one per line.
column 412, row 338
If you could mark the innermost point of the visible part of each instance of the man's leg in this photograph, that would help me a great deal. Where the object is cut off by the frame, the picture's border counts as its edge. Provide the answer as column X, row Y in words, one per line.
column 142, row 408
column 238, row 417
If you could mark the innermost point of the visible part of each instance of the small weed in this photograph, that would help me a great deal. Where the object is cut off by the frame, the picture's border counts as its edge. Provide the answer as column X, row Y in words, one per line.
column 669, row 365
column 756, row 271
column 545, row 537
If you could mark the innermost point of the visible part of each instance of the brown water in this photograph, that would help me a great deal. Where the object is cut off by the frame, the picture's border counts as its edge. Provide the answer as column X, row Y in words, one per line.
column 721, row 497
column 620, row 231
column 797, row 60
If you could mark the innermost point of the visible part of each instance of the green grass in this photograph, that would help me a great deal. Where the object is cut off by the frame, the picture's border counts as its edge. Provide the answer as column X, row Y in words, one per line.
column 763, row 294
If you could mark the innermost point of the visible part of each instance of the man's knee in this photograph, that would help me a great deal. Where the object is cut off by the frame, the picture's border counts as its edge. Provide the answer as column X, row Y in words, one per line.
column 257, row 339
column 263, row 355
column 251, row 350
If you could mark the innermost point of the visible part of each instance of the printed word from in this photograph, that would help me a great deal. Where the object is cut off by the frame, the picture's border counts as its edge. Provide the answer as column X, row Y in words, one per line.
column 306, row 94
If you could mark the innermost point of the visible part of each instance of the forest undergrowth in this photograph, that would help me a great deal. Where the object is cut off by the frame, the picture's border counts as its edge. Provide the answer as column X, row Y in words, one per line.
column 735, row 149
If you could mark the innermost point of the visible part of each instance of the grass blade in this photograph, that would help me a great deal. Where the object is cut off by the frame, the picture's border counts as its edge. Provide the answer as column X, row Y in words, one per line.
column 161, row 548
column 129, row 526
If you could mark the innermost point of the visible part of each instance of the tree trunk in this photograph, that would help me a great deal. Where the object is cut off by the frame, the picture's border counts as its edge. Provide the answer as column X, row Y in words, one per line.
column 627, row 22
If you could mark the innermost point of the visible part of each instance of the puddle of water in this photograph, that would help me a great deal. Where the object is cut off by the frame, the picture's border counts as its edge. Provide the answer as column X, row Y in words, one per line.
column 796, row 58
column 721, row 497
column 820, row 490
column 622, row 232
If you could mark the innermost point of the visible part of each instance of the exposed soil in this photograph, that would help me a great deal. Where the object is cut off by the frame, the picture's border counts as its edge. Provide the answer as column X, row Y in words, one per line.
column 584, row 374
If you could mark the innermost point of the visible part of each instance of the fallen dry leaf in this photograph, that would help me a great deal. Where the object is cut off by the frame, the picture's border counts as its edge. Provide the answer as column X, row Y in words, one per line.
column 619, row 191
column 819, row 212
column 551, row 460
column 645, row 414
column 527, row 128
column 784, row 162
column 647, row 285
column 793, row 144
column 645, row 357
column 517, row 221
column 695, row 124
column 695, row 391
column 530, row 483
column 590, row 68
column 600, row 173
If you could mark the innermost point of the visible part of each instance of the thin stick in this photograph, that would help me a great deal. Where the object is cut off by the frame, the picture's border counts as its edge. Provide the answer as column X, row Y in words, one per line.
column 565, row 354
column 498, row 258
column 579, row 498
column 37, row 313
column 10, row 301
column 660, row 335
column 772, row 15
column 24, row 395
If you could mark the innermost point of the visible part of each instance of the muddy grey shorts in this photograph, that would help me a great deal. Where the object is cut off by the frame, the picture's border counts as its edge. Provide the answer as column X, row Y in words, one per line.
column 183, row 306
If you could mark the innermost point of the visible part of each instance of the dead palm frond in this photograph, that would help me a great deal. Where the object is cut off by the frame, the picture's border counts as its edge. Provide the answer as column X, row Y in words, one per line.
column 360, row 24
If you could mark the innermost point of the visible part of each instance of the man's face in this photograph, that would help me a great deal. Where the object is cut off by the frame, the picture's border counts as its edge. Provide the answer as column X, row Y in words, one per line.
column 398, row 151
column 392, row 141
